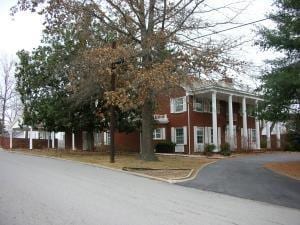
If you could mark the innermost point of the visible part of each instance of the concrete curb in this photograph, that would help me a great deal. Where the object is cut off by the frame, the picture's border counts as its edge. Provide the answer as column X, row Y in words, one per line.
column 171, row 181
column 174, row 181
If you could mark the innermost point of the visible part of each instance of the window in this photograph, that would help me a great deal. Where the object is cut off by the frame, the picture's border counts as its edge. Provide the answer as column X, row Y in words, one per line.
column 200, row 135
column 211, row 135
column 204, row 105
column 250, row 110
column 198, row 105
column 179, row 136
column 179, row 104
column 158, row 133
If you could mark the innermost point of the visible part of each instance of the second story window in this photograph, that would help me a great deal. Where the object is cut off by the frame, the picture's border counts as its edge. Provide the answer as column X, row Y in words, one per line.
column 178, row 105
column 204, row 105
column 198, row 105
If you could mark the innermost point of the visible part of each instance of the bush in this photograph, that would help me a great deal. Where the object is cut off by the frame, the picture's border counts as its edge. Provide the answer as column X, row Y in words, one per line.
column 263, row 144
column 209, row 148
column 165, row 147
column 293, row 141
column 225, row 149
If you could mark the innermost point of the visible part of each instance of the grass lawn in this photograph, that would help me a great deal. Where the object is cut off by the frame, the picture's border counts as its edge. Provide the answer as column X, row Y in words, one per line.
column 291, row 169
column 167, row 166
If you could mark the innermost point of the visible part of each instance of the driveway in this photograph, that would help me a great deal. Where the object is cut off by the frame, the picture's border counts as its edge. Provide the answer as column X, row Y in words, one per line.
column 36, row 190
column 246, row 177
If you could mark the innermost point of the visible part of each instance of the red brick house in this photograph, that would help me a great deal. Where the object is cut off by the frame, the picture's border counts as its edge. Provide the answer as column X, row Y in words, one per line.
column 198, row 114
column 210, row 113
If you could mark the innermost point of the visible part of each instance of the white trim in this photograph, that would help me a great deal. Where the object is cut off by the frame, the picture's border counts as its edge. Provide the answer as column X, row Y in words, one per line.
column 206, row 135
column 219, row 136
column 214, row 119
column 73, row 141
column 173, row 134
column 162, row 133
column 226, row 91
column 278, row 143
column 185, row 135
column 173, row 105
column 189, row 121
column 245, row 130
column 199, row 147
column 268, row 134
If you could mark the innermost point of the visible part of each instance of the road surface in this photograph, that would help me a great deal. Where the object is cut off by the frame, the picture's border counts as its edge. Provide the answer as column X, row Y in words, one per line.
column 246, row 177
column 44, row 191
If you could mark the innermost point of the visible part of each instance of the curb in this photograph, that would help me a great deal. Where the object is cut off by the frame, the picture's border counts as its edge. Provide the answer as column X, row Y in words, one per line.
column 170, row 181
column 174, row 181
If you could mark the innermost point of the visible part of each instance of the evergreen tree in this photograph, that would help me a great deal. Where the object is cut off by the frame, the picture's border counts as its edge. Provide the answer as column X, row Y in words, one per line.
column 281, row 85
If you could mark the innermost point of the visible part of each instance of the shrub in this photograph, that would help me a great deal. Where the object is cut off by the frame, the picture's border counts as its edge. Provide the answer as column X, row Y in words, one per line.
column 208, row 149
column 293, row 141
column 263, row 144
column 225, row 149
column 165, row 147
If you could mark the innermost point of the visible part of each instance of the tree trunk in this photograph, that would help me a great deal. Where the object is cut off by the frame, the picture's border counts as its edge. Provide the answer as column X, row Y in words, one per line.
column 112, row 134
column 90, row 140
column 147, row 148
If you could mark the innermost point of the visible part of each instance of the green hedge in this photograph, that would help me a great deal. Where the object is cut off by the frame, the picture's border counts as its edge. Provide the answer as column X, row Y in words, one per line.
column 165, row 147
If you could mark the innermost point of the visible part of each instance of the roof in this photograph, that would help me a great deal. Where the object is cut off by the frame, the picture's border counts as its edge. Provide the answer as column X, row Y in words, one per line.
column 225, row 86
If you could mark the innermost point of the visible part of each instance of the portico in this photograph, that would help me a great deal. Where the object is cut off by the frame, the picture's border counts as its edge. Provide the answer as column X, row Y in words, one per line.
column 234, row 104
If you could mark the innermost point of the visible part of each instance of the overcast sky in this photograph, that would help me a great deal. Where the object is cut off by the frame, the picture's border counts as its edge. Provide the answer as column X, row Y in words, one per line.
column 24, row 30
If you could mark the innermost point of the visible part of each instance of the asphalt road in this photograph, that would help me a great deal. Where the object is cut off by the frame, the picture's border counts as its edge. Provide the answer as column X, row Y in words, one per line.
column 246, row 177
column 43, row 191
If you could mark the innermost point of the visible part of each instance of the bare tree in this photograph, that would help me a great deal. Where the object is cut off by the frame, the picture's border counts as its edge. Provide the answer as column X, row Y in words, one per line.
column 11, row 108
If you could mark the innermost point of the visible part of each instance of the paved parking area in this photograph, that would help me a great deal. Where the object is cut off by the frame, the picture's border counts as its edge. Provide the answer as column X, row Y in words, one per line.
column 246, row 177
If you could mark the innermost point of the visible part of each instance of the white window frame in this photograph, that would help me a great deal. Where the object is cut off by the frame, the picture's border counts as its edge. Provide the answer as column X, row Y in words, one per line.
column 177, row 137
column 197, row 135
column 174, row 102
column 161, row 133
column 174, row 137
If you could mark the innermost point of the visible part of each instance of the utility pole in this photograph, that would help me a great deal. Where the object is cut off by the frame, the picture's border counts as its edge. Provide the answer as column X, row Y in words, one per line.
column 112, row 110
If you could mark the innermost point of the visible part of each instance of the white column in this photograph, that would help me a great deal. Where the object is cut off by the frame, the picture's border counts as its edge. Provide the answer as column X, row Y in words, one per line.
column 49, row 136
column 189, row 121
column 214, row 119
column 278, row 135
column 268, row 135
column 10, row 138
column 257, row 134
column 53, row 139
column 245, row 129
column 30, row 138
column 257, row 131
column 230, row 115
column 73, row 141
